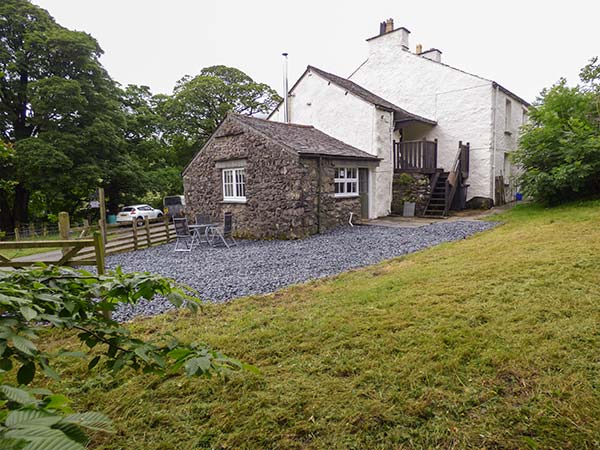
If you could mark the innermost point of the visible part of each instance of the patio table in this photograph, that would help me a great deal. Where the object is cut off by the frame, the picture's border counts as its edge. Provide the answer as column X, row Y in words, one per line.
column 199, row 230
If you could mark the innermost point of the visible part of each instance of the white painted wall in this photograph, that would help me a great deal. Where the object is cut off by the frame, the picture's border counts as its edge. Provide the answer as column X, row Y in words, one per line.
column 466, row 108
column 460, row 103
column 317, row 102
column 506, row 138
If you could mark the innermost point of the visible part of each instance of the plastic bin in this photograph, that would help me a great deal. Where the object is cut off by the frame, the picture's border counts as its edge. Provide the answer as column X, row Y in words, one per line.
column 111, row 218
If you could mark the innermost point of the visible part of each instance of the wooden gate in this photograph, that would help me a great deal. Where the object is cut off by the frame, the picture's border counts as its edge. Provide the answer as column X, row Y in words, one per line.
column 72, row 252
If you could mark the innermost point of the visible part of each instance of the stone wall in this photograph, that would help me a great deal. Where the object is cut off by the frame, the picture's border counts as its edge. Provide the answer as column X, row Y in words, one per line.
column 281, row 188
column 410, row 187
column 334, row 211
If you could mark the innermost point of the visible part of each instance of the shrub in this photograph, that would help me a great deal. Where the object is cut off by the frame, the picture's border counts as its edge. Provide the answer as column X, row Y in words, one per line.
column 559, row 148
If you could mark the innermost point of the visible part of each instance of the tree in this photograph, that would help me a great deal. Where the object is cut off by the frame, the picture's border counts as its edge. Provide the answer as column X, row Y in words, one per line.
column 559, row 149
column 59, row 109
column 34, row 301
column 200, row 103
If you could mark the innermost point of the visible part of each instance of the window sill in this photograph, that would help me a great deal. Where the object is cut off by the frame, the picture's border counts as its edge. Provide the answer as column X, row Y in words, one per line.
column 343, row 196
column 234, row 201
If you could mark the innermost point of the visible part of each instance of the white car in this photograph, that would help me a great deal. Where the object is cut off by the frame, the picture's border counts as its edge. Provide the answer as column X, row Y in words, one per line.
column 138, row 213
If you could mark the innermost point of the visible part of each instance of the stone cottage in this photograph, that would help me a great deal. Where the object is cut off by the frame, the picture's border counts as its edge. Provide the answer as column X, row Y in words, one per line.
column 279, row 180
column 424, row 119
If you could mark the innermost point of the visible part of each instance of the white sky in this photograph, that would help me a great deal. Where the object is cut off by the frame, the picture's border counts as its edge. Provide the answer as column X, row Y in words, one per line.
column 524, row 45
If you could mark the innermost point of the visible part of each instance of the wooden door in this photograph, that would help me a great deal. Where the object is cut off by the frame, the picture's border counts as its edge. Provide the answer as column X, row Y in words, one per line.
column 363, row 192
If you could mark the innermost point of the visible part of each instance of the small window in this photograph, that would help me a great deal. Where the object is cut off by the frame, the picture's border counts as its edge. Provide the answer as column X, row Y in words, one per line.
column 346, row 181
column 234, row 185
column 508, row 116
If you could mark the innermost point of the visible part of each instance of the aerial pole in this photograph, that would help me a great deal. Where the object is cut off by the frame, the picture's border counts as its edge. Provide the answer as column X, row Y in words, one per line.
column 286, row 111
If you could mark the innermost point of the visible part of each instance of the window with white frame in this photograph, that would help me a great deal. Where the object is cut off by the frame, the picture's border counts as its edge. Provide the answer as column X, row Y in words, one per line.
column 346, row 181
column 234, row 185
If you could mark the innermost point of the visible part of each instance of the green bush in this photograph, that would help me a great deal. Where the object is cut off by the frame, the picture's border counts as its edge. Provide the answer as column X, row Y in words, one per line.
column 559, row 148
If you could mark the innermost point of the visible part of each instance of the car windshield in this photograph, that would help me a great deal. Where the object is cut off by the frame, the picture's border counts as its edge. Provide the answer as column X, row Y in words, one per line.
column 128, row 208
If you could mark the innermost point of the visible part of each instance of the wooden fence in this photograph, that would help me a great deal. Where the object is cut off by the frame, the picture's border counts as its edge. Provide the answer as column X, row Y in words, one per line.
column 74, row 253
column 107, row 240
column 123, row 239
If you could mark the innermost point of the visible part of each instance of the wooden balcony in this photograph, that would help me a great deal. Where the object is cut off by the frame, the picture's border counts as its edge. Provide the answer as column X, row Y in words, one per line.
column 415, row 156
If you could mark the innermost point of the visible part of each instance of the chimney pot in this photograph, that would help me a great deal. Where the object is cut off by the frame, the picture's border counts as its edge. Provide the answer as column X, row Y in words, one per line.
column 389, row 25
column 419, row 49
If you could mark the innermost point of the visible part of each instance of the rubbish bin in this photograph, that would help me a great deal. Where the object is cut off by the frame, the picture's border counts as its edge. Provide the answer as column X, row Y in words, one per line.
column 518, row 196
column 111, row 218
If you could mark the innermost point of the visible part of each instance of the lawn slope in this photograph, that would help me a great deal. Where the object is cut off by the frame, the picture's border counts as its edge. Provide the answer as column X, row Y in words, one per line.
column 492, row 342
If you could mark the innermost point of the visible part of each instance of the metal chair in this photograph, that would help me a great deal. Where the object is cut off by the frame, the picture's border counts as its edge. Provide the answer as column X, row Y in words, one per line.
column 184, row 240
column 215, row 235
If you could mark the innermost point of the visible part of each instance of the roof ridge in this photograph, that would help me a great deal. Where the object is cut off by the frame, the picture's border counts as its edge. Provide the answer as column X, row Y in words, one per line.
column 242, row 116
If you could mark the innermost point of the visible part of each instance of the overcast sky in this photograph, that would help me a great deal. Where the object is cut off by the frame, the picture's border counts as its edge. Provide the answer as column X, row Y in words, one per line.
column 524, row 45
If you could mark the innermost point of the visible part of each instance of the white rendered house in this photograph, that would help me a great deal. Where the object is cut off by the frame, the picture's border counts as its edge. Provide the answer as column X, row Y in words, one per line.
column 411, row 110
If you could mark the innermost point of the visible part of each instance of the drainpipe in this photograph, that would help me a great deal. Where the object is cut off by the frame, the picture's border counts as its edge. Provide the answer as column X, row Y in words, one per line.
column 319, row 183
column 493, row 165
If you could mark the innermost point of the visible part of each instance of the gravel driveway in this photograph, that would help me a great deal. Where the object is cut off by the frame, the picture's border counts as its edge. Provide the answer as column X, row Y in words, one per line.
column 258, row 267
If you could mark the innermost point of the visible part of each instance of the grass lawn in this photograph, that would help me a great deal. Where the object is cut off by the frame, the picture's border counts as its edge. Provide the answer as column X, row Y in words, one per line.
column 492, row 342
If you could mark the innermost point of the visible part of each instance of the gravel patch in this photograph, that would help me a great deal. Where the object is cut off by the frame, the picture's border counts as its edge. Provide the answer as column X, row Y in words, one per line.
column 259, row 267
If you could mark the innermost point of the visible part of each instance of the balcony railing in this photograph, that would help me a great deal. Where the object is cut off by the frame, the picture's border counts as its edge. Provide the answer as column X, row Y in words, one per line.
column 415, row 156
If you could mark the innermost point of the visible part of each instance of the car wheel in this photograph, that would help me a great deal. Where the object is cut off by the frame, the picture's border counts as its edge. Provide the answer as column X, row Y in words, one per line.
column 159, row 215
column 139, row 221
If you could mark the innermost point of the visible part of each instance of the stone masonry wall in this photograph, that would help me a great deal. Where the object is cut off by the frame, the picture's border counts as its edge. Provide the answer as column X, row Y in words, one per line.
column 410, row 187
column 281, row 187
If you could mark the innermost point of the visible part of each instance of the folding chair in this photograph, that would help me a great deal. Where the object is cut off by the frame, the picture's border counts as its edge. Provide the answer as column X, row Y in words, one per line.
column 184, row 240
column 216, row 235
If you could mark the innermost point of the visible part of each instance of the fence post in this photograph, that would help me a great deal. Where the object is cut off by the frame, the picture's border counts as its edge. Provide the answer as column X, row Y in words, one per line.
column 17, row 234
column 64, row 228
column 44, row 229
column 99, row 250
column 100, row 264
column 147, row 225
column 32, row 230
column 102, row 226
column 135, row 234
column 167, row 228
column 102, row 201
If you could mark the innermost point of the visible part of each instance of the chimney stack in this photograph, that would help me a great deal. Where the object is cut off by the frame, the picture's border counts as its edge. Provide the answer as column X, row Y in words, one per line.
column 389, row 25
column 419, row 49
column 433, row 54
column 388, row 36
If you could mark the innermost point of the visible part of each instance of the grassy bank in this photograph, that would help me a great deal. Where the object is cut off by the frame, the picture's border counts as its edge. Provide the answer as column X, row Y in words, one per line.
column 491, row 342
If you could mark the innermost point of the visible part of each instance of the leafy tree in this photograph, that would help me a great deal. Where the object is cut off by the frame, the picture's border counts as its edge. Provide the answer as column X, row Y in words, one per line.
column 59, row 108
column 200, row 103
column 559, row 148
column 67, row 127
column 34, row 301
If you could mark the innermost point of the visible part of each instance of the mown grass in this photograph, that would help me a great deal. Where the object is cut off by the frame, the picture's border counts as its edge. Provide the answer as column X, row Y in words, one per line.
column 492, row 342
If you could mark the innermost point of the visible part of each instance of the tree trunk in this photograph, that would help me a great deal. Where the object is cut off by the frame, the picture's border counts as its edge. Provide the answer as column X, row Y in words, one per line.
column 7, row 222
column 21, row 205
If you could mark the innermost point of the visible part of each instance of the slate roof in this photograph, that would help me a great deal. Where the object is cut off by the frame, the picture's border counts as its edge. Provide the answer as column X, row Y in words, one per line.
column 304, row 139
column 369, row 96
